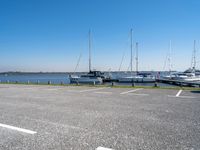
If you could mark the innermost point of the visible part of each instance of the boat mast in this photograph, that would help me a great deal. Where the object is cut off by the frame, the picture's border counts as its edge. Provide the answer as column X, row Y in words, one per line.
column 89, row 50
column 169, row 58
column 131, row 51
column 136, row 58
column 194, row 57
column 78, row 62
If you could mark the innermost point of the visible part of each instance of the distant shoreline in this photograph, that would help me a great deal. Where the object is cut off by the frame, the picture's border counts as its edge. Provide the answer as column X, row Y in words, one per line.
column 18, row 72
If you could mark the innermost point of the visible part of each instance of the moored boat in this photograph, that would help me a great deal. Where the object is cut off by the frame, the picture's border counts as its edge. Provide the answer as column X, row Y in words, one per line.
column 93, row 76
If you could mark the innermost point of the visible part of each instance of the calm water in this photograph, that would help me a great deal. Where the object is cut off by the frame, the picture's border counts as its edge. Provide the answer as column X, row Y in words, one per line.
column 55, row 78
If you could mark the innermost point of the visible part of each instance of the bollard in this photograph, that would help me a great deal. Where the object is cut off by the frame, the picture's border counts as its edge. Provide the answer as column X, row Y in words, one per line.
column 133, row 84
column 181, row 84
column 49, row 82
column 112, row 83
column 156, row 84
column 61, row 83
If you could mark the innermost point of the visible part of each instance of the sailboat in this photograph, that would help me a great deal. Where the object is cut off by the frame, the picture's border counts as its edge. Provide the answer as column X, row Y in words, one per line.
column 191, row 74
column 168, row 75
column 92, row 77
column 137, row 77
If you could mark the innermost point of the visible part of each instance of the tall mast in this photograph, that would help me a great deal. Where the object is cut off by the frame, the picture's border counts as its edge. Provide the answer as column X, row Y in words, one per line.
column 169, row 59
column 136, row 58
column 194, row 56
column 131, row 51
column 89, row 50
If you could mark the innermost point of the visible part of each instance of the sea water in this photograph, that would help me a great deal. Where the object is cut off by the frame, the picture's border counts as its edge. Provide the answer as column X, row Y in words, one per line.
column 56, row 78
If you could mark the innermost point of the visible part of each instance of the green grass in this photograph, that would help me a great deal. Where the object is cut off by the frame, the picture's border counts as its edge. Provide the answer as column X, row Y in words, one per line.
column 114, row 86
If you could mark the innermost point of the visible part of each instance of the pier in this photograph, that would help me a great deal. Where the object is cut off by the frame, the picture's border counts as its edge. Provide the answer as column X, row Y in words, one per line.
column 179, row 82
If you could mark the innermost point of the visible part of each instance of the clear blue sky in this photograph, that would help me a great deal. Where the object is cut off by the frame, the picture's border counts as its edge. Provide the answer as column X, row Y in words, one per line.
column 49, row 35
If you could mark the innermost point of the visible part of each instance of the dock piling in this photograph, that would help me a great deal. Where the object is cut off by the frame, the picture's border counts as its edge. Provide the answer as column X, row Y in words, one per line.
column 155, row 84
column 133, row 84
column 77, row 83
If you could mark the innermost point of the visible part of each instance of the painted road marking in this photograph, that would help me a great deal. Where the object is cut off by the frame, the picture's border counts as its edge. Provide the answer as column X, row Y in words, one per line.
column 178, row 95
column 131, row 91
column 181, row 96
column 179, row 92
column 103, row 92
column 103, row 148
column 17, row 129
column 96, row 89
column 51, row 89
column 139, row 94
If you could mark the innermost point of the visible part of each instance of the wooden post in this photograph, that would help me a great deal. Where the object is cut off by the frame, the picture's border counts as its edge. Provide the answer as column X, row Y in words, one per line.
column 156, row 84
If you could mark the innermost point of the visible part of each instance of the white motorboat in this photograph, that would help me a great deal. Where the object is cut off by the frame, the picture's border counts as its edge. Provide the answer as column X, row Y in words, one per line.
column 186, row 76
column 190, row 75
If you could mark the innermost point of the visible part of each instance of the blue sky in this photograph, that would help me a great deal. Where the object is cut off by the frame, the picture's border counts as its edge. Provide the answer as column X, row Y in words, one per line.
column 49, row 35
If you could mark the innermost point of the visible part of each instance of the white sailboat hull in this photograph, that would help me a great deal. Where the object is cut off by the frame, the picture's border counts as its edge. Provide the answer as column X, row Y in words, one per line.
column 86, row 80
column 189, row 79
column 136, row 79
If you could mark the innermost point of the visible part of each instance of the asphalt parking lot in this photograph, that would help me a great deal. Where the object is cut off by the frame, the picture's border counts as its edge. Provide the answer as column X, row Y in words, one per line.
column 91, row 118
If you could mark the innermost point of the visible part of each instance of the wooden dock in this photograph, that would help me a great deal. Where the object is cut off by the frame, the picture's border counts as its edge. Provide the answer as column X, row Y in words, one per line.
column 179, row 82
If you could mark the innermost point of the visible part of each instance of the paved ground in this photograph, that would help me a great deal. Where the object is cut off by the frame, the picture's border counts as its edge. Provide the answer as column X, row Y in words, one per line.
column 86, row 118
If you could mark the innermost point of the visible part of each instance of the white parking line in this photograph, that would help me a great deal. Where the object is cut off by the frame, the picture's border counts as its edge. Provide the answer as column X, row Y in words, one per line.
column 103, row 92
column 139, row 94
column 71, row 91
column 96, row 89
column 51, row 89
column 181, row 96
column 178, row 95
column 103, row 148
column 17, row 129
column 179, row 92
column 131, row 91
